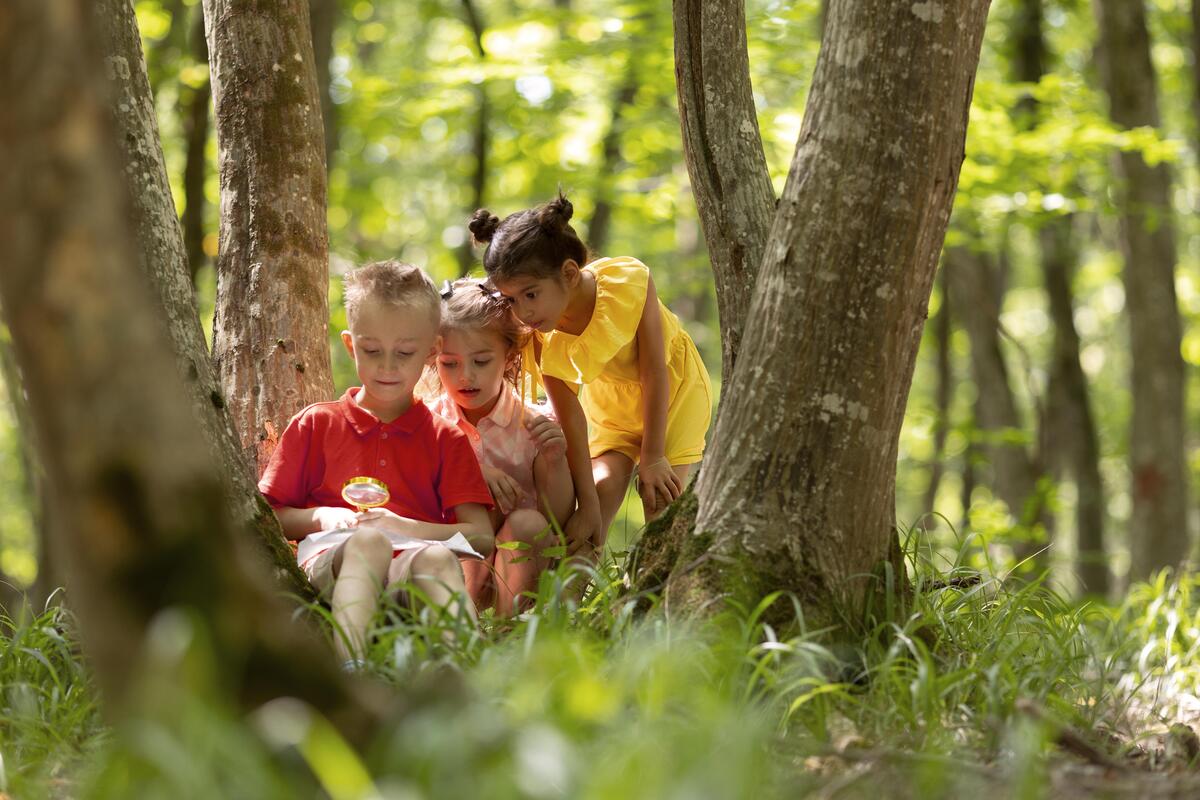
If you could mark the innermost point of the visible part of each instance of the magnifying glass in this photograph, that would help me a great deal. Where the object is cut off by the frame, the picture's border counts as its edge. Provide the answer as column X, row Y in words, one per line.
column 363, row 493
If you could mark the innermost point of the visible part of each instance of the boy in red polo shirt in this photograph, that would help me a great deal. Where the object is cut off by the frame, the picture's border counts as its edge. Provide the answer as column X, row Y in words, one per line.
column 378, row 430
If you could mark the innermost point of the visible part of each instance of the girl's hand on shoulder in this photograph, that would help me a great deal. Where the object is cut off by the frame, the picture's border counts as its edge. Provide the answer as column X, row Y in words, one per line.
column 505, row 490
column 548, row 436
column 332, row 518
column 658, row 484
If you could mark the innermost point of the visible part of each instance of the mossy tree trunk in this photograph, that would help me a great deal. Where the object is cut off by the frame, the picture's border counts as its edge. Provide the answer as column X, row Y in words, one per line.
column 1157, row 466
column 270, row 335
column 163, row 258
column 798, row 490
column 141, row 512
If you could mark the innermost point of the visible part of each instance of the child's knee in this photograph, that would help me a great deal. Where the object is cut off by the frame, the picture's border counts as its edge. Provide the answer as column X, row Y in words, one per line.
column 437, row 562
column 369, row 546
column 527, row 525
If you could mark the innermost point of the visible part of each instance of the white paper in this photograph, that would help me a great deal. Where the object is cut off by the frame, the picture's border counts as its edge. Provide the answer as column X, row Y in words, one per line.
column 316, row 543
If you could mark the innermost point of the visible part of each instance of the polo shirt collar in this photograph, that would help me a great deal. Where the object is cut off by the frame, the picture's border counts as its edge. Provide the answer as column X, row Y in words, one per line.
column 500, row 415
column 364, row 422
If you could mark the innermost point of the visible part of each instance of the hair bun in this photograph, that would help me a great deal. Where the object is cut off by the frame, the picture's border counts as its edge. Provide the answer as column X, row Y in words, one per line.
column 555, row 215
column 483, row 225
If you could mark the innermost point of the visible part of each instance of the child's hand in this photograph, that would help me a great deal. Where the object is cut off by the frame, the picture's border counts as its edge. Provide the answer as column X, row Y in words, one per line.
column 658, row 485
column 389, row 522
column 548, row 436
column 583, row 533
column 505, row 490
column 331, row 518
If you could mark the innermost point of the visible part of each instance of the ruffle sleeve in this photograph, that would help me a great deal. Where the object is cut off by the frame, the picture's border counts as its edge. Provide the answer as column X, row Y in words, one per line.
column 621, row 285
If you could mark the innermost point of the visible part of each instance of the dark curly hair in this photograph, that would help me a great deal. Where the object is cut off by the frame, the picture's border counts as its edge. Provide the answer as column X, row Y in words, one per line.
column 535, row 242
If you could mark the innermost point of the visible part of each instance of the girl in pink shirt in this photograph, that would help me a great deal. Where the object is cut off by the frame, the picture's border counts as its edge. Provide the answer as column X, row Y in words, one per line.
column 521, row 450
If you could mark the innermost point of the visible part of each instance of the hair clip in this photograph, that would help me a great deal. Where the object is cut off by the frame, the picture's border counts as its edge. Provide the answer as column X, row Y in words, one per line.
column 494, row 294
column 447, row 290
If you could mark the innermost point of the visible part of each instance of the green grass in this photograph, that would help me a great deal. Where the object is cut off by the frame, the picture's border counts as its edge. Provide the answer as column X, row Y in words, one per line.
column 589, row 701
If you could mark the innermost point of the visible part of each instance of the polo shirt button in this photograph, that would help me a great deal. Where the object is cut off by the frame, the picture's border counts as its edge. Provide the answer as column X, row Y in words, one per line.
column 383, row 436
column 383, row 462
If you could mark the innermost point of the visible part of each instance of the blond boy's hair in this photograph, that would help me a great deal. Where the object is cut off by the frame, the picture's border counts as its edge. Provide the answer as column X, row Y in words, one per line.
column 392, row 282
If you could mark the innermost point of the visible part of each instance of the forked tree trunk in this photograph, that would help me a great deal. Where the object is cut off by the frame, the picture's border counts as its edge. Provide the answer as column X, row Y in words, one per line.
column 160, row 249
column 141, row 512
column 798, row 492
column 724, row 152
column 270, row 339
column 1158, row 523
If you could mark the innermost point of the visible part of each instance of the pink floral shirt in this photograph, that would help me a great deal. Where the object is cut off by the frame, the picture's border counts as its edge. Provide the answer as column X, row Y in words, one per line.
column 501, row 440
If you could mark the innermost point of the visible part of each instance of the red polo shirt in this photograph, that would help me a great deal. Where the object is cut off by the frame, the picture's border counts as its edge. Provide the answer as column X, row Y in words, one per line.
column 425, row 460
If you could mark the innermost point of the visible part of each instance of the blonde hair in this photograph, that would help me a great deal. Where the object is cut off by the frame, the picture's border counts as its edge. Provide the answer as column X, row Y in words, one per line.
column 392, row 282
column 473, row 305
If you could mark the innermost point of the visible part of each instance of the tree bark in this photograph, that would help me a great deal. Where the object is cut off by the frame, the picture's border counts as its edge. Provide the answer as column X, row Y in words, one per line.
column 270, row 333
column 972, row 282
column 160, row 250
column 1158, row 522
column 724, row 153
column 196, row 103
column 141, row 512
column 799, row 492
column 1073, row 412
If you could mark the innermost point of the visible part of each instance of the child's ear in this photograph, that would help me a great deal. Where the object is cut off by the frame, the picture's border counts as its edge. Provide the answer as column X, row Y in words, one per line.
column 571, row 272
column 348, row 341
column 433, row 351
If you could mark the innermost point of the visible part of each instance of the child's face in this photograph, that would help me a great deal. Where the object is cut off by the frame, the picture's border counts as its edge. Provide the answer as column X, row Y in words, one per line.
column 471, row 365
column 537, row 302
column 390, row 346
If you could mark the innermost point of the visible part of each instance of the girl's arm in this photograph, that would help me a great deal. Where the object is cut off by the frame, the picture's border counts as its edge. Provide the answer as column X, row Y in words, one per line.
column 583, row 527
column 473, row 523
column 658, row 484
column 555, row 489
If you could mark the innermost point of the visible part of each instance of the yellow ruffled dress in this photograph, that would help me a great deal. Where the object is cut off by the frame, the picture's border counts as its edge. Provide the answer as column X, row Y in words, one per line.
column 603, row 360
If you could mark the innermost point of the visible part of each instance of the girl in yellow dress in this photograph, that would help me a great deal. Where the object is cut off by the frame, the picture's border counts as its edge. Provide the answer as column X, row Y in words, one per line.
column 601, row 328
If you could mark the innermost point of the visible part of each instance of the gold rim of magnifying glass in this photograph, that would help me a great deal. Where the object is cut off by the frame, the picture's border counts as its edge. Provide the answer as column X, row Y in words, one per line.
column 373, row 481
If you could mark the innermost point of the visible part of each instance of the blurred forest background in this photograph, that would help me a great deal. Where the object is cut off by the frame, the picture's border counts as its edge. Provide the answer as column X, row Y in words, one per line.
column 438, row 107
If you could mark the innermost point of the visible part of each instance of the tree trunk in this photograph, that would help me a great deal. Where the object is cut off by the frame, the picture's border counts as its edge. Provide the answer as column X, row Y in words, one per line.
column 799, row 492
column 1071, row 426
column 141, row 512
column 159, row 246
column 942, row 394
column 324, row 15
column 972, row 283
column 1073, row 417
column 1158, row 523
column 479, row 141
column 600, row 227
column 196, row 103
column 724, row 152
column 270, row 334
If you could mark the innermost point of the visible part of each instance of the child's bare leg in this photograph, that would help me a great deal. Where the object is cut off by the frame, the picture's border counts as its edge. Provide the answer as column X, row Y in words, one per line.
column 359, row 566
column 437, row 573
column 682, row 471
column 612, row 471
column 477, row 576
column 517, row 570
